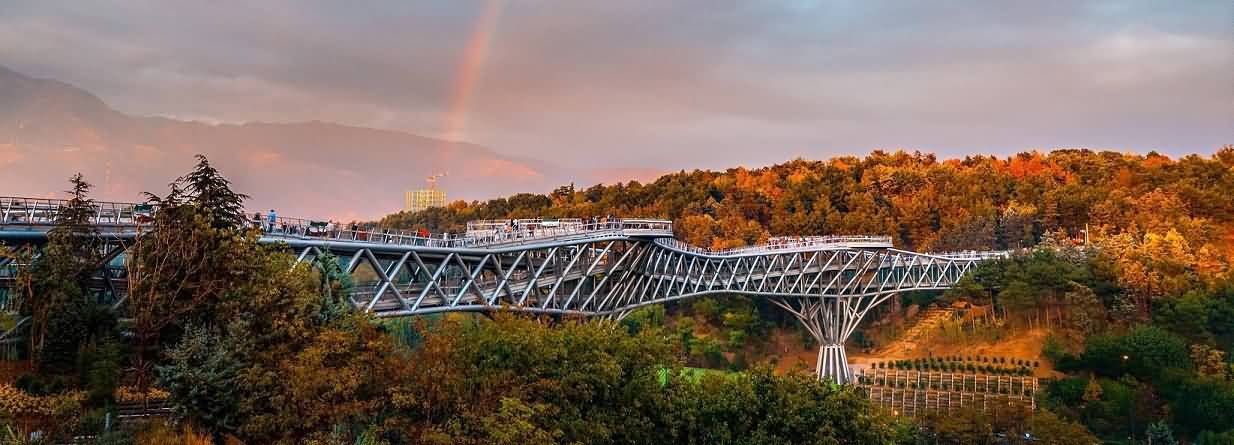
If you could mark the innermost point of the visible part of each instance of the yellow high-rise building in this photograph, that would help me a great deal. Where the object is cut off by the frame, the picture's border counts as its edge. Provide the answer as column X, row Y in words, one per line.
column 417, row 200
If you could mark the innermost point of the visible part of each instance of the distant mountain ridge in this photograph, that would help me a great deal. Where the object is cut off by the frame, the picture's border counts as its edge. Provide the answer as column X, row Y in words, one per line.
column 50, row 129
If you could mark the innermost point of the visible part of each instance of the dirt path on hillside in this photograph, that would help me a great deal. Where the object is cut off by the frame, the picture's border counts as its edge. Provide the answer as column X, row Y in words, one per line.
column 1024, row 344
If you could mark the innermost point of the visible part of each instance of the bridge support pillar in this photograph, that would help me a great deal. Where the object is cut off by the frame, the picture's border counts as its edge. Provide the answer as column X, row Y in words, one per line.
column 831, row 320
column 833, row 364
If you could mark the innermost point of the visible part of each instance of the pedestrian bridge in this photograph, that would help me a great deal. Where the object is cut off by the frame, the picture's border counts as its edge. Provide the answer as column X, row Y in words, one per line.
column 566, row 267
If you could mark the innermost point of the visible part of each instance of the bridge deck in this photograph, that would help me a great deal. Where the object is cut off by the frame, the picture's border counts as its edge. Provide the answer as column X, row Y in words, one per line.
column 31, row 218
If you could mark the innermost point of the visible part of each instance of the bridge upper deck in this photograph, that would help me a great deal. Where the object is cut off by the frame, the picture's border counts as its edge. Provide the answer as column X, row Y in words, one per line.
column 33, row 216
column 787, row 245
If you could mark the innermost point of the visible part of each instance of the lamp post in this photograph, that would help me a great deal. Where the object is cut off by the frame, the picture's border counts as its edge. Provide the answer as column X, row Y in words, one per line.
column 1131, row 409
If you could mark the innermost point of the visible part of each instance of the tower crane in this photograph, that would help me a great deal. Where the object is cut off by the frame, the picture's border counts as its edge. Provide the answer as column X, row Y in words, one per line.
column 432, row 180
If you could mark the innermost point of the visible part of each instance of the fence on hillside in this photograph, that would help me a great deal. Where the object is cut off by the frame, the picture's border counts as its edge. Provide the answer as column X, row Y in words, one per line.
column 913, row 393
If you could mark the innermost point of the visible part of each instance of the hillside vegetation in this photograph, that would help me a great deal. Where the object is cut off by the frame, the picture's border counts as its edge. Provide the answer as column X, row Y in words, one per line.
column 1140, row 318
column 978, row 202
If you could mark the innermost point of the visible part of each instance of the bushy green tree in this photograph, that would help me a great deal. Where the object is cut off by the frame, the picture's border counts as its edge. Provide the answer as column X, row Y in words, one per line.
column 200, row 373
column 1159, row 433
column 648, row 317
column 334, row 285
column 1200, row 404
column 1046, row 427
column 965, row 426
column 1145, row 352
column 1211, row 438
column 758, row 407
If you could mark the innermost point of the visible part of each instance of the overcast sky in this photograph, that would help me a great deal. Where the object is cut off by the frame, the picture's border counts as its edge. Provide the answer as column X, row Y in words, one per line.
column 664, row 85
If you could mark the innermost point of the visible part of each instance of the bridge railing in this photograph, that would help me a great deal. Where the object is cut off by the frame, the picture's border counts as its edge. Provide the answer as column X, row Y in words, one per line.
column 482, row 235
column 784, row 244
column 18, row 210
column 42, row 211
column 973, row 254
column 517, row 230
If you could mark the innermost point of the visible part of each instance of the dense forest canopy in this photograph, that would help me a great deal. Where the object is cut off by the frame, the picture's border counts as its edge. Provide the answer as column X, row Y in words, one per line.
column 978, row 202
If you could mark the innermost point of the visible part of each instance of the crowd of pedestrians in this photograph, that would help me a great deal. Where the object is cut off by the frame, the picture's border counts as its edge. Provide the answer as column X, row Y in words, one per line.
column 515, row 229
column 272, row 224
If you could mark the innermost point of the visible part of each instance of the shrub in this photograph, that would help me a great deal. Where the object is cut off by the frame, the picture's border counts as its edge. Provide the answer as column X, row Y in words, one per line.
column 132, row 394
column 162, row 433
column 1148, row 350
column 16, row 402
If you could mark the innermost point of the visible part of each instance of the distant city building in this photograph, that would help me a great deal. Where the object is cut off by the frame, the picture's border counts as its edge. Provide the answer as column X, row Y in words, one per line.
column 417, row 200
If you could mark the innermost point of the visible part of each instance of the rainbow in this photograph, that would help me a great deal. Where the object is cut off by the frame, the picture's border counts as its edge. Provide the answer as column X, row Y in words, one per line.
column 474, row 55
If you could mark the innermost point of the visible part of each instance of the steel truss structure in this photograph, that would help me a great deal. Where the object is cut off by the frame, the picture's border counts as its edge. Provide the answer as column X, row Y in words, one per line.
column 828, row 283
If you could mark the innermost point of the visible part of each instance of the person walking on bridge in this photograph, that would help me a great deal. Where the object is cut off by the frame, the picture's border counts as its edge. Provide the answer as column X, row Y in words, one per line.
column 271, row 219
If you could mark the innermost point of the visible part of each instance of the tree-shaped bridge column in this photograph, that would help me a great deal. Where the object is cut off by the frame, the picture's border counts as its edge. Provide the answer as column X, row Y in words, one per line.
column 831, row 320
column 833, row 363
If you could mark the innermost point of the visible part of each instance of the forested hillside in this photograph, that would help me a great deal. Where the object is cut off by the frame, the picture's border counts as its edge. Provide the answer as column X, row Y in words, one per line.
column 927, row 204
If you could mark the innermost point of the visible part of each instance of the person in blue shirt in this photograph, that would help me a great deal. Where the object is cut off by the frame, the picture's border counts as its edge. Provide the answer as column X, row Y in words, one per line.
column 271, row 218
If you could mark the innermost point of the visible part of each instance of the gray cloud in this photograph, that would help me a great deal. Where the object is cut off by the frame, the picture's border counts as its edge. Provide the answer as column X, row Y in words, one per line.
column 667, row 85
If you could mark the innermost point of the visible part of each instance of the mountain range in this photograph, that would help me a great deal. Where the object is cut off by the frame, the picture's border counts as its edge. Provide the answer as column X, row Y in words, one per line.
column 50, row 130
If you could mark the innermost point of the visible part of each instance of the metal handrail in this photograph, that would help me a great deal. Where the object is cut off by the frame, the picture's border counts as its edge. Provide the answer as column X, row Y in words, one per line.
column 18, row 210
column 34, row 211
column 781, row 244
column 973, row 254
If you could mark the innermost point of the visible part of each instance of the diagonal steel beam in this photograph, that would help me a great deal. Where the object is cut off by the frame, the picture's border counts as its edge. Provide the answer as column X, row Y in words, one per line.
column 533, row 280
column 588, row 273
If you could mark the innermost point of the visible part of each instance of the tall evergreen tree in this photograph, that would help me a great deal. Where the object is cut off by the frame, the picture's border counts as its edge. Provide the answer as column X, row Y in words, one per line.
column 207, row 189
column 182, row 268
column 61, row 275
